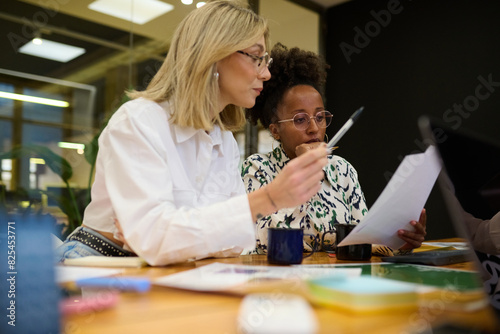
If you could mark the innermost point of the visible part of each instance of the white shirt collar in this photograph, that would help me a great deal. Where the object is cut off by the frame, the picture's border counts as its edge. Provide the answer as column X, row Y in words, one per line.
column 183, row 134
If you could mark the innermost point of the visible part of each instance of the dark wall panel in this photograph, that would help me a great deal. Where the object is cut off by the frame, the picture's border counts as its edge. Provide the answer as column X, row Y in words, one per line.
column 404, row 59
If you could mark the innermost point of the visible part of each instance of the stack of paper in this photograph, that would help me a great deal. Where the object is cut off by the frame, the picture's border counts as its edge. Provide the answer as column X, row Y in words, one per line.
column 106, row 261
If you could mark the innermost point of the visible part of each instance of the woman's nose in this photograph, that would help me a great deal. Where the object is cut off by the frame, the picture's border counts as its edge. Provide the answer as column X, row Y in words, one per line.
column 265, row 75
column 313, row 126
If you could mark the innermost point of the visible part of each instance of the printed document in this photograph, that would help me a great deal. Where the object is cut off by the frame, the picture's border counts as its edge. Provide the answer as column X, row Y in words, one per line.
column 400, row 202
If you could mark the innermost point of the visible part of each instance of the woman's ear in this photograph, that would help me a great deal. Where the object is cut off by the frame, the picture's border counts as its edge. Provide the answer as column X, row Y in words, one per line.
column 273, row 128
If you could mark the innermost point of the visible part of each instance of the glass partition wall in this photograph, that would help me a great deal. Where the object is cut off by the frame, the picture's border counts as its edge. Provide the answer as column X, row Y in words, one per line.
column 294, row 25
column 63, row 71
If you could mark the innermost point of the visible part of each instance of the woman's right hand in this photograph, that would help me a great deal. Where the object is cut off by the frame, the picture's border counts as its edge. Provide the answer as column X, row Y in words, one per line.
column 300, row 179
column 305, row 147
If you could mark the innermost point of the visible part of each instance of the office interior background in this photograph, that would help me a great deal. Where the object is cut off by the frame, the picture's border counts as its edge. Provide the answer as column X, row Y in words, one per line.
column 399, row 58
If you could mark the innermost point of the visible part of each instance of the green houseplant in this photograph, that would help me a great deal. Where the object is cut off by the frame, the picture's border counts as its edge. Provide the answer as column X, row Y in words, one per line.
column 76, row 200
column 61, row 167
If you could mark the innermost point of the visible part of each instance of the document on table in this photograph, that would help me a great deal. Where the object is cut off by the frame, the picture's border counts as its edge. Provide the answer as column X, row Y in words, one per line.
column 106, row 261
column 447, row 244
column 400, row 202
column 70, row 274
column 223, row 276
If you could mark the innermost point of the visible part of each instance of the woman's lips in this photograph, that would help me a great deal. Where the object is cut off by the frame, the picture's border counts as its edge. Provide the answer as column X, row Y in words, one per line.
column 313, row 141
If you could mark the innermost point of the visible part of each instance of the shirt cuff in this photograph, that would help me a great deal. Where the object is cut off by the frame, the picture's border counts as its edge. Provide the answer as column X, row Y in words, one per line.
column 232, row 228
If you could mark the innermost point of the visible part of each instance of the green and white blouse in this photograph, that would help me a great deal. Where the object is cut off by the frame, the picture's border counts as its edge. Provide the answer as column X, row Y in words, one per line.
column 340, row 199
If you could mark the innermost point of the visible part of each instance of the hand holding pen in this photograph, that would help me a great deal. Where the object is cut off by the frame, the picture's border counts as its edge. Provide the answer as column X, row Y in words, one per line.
column 344, row 129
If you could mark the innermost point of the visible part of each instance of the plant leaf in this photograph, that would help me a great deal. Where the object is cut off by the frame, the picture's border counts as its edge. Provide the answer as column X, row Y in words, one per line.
column 91, row 150
column 55, row 162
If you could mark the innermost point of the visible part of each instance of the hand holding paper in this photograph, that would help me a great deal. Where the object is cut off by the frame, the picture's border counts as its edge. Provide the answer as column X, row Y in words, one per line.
column 399, row 203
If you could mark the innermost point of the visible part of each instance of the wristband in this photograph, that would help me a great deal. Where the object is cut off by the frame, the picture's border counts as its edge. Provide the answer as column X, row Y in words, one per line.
column 269, row 196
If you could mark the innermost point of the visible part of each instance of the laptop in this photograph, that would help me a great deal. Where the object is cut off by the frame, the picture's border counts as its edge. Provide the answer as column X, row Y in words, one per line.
column 470, row 186
column 439, row 257
column 470, row 180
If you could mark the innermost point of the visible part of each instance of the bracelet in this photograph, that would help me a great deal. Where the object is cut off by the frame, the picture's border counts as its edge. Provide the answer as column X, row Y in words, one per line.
column 269, row 196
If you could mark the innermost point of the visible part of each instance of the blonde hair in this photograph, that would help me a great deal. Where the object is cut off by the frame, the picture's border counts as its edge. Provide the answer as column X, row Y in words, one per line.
column 187, row 77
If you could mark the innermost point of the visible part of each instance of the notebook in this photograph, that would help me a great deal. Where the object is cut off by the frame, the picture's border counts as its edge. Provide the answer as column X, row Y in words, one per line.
column 470, row 186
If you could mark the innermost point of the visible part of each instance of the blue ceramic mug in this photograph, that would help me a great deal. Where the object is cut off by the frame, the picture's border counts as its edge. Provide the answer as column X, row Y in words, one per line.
column 286, row 246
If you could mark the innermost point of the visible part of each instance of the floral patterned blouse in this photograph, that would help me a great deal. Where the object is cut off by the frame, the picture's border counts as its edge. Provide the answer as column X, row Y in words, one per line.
column 340, row 199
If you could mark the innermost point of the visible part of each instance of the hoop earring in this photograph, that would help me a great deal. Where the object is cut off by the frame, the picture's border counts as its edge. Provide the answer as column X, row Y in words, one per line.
column 216, row 76
column 326, row 141
column 272, row 144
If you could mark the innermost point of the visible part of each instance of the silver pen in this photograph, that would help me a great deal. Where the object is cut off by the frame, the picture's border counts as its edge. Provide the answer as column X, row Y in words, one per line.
column 344, row 128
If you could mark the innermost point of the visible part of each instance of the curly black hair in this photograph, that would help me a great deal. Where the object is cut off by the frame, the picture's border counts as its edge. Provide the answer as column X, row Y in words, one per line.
column 290, row 67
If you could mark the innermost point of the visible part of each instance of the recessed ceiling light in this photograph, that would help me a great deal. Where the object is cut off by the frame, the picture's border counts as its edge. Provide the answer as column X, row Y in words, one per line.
column 51, row 50
column 200, row 4
column 187, row 2
column 139, row 12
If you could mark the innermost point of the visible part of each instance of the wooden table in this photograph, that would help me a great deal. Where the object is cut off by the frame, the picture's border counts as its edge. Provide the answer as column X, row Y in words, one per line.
column 168, row 310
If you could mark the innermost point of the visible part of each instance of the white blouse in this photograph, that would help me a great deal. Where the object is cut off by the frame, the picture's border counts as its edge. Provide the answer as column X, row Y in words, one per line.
column 176, row 192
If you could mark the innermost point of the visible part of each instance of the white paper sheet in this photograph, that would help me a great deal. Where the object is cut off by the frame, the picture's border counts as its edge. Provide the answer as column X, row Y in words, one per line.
column 446, row 244
column 70, row 274
column 106, row 261
column 400, row 202
column 222, row 276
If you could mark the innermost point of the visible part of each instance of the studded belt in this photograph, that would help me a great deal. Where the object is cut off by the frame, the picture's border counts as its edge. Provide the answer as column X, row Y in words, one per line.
column 100, row 244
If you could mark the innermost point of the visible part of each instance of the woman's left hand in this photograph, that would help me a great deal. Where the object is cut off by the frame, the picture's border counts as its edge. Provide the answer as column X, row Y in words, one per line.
column 119, row 234
column 414, row 239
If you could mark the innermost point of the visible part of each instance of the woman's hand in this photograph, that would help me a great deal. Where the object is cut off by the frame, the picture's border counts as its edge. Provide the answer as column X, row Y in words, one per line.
column 303, row 148
column 294, row 185
column 119, row 234
column 300, row 179
column 414, row 239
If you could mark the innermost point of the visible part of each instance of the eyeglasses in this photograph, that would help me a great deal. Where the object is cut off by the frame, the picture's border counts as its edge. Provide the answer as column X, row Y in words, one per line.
column 261, row 62
column 302, row 120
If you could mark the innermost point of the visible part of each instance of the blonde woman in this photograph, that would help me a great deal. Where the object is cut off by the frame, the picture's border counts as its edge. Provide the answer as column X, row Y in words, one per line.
column 167, row 168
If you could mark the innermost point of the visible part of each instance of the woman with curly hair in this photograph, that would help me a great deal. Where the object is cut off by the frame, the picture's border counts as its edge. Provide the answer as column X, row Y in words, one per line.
column 291, row 106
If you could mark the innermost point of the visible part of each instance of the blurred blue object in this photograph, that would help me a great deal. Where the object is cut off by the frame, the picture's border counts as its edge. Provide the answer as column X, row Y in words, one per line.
column 29, row 297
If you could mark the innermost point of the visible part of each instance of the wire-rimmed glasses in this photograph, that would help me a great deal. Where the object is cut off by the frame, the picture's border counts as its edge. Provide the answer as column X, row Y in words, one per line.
column 262, row 62
column 302, row 120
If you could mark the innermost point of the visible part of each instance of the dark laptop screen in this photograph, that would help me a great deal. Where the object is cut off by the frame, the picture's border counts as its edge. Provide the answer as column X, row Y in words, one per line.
column 470, row 184
column 473, row 166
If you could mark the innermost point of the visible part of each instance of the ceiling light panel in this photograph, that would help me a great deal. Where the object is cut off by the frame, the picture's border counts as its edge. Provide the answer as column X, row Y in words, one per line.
column 137, row 11
column 51, row 50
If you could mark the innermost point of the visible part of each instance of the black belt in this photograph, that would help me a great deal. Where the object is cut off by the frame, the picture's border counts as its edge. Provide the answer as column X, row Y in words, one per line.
column 99, row 244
